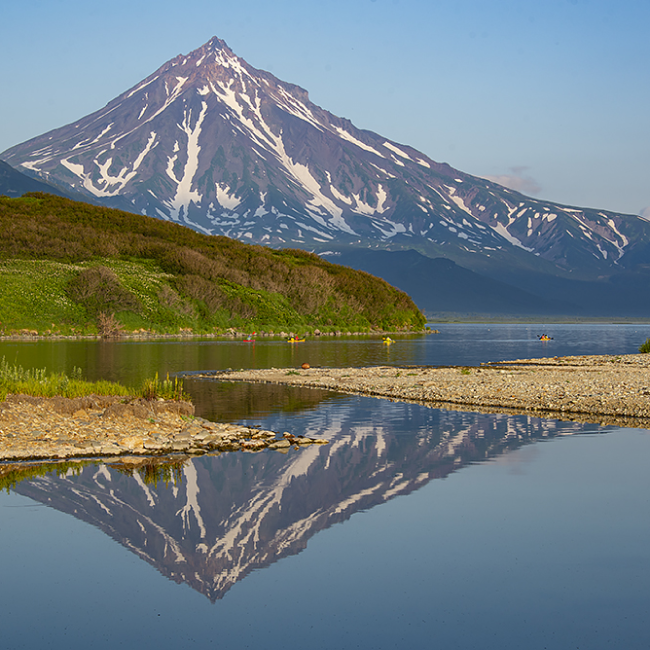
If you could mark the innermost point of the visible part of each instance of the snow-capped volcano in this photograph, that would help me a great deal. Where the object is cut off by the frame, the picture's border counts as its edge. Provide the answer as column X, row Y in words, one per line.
column 211, row 142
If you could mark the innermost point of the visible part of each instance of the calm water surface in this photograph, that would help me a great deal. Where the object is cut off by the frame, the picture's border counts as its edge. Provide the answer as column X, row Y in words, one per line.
column 413, row 527
column 131, row 361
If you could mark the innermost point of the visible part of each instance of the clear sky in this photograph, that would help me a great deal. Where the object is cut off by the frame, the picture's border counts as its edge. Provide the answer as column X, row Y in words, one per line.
column 550, row 96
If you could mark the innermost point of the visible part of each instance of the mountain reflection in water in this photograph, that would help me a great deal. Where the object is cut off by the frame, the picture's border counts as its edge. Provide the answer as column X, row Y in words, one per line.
column 217, row 518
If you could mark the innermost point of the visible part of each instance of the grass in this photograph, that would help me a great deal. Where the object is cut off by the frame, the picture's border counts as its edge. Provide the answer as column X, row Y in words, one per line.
column 645, row 347
column 11, row 475
column 65, row 263
column 35, row 297
column 169, row 389
column 37, row 382
column 152, row 471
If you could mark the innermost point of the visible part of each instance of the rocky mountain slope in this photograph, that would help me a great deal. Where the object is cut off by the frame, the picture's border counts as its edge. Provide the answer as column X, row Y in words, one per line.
column 213, row 143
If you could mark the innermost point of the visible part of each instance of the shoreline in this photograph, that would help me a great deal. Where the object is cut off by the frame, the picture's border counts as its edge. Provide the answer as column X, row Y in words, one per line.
column 25, row 335
column 601, row 389
column 605, row 390
column 58, row 428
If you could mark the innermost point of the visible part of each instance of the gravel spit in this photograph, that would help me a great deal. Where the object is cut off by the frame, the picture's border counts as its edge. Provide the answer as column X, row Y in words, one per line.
column 33, row 428
column 599, row 389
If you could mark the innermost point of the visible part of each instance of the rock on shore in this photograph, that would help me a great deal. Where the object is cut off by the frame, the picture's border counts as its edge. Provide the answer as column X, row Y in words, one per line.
column 55, row 428
column 604, row 389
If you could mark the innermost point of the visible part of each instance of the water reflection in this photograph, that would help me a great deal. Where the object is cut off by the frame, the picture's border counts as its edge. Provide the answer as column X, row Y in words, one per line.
column 223, row 401
column 212, row 520
column 457, row 344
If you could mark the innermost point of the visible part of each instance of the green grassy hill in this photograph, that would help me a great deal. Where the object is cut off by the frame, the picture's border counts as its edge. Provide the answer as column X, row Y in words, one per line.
column 69, row 267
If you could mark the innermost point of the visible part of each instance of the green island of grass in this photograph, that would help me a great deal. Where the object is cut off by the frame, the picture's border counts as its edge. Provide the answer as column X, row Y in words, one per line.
column 38, row 382
column 71, row 268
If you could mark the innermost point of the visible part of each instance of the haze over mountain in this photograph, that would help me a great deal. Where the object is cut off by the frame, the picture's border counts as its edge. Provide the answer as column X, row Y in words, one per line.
column 224, row 148
column 14, row 183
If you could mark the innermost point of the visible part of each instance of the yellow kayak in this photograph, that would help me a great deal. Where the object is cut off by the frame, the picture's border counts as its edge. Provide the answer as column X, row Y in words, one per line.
column 295, row 340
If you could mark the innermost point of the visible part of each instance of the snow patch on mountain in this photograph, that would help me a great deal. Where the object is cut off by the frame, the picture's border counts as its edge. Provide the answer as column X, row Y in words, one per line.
column 389, row 228
column 397, row 150
column 192, row 500
column 500, row 229
column 227, row 199
column 184, row 192
column 362, row 145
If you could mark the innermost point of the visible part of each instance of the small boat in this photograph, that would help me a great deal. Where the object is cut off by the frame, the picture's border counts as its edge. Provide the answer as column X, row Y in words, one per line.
column 250, row 338
column 545, row 337
column 387, row 340
column 293, row 339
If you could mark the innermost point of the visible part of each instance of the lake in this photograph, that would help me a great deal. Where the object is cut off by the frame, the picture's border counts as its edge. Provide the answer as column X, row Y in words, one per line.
column 412, row 527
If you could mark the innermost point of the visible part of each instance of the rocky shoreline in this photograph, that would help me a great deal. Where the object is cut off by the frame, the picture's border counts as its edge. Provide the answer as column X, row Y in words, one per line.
column 188, row 333
column 36, row 428
column 611, row 390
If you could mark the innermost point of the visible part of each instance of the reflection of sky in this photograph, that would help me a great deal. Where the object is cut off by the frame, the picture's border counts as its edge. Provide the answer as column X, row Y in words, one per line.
column 233, row 513
column 456, row 344
column 555, row 556
column 544, row 95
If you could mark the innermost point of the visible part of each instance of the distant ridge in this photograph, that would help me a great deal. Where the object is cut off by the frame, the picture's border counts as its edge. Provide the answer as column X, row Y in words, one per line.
column 13, row 183
column 215, row 144
column 439, row 286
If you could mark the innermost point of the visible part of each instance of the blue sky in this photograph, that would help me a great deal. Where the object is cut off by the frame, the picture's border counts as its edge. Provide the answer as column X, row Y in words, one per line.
column 552, row 98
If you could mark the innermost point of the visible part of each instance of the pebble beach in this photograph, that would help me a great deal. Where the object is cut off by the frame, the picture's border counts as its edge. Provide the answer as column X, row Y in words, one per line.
column 601, row 389
column 609, row 390
column 36, row 428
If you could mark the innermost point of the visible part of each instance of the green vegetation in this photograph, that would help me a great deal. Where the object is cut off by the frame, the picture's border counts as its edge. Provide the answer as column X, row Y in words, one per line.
column 170, row 389
column 37, row 382
column 15, row 380
column 11, row 475
column 152, row 471
column 73, row 268
column 645, row 347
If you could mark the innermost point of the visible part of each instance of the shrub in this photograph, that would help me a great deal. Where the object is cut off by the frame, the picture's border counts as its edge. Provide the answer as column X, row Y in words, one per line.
column 108, row 326
column 171, row 389
column 645, row 347
column 98, row 289
column 188, row 279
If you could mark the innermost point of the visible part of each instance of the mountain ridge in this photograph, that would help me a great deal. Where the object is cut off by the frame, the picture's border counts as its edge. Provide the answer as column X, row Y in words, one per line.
column 213, row 143
column 14, row 183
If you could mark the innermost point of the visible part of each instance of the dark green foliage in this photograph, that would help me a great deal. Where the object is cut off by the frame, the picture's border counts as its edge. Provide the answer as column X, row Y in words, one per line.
column 645, row 347
column 11, row 475
column 213, row 282
column 98, row 289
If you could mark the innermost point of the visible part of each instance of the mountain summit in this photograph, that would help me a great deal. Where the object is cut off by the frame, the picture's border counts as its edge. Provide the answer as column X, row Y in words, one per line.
column 213, row 143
